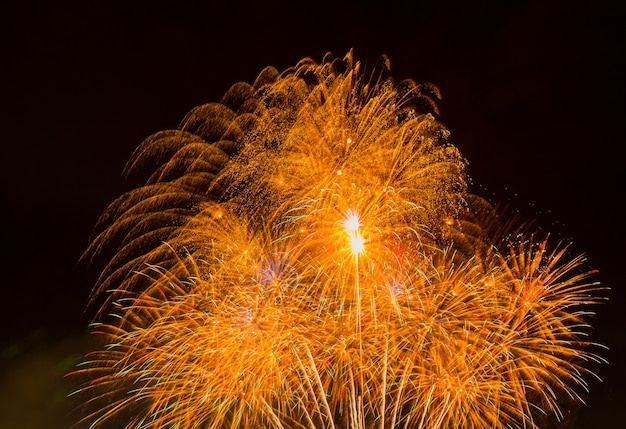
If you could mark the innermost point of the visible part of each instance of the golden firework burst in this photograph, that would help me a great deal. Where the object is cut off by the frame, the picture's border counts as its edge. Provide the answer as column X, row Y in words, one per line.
column 305, row 253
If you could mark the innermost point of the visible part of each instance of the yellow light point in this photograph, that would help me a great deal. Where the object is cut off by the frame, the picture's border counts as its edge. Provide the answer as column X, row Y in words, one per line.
column 338, row 172
column 349, row 140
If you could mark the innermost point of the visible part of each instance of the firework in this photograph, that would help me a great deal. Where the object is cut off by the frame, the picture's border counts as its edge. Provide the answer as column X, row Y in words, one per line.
column 305, row 253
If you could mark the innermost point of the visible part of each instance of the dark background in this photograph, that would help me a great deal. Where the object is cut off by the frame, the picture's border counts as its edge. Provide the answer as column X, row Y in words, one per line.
column 533, row 93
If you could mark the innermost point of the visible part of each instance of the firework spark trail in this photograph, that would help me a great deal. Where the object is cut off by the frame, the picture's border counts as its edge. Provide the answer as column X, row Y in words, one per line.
column 305, row 254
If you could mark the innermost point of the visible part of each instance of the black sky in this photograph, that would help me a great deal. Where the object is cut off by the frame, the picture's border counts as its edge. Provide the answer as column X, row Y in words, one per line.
column 533, row 93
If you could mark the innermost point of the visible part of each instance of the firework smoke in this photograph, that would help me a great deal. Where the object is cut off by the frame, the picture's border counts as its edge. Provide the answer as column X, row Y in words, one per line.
column 305, row 253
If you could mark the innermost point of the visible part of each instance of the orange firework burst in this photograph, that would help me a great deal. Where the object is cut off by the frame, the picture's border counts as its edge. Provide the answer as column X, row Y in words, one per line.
column 305, row 253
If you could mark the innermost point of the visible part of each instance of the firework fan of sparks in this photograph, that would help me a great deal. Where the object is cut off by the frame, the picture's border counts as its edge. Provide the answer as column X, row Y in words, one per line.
column 305, row 253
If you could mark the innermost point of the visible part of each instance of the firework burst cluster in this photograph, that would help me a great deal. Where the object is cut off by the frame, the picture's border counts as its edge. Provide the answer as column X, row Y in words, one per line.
column 305, row 254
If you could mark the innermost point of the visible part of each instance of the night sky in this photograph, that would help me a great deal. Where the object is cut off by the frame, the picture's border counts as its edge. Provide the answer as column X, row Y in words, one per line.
column 532, row 93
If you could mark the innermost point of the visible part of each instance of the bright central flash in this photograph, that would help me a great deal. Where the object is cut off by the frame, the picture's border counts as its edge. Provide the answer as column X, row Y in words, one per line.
column 351, row 224
column 356, row 243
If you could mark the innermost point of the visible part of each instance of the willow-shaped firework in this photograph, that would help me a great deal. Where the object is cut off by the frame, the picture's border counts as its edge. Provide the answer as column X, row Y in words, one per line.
column 305, row 253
